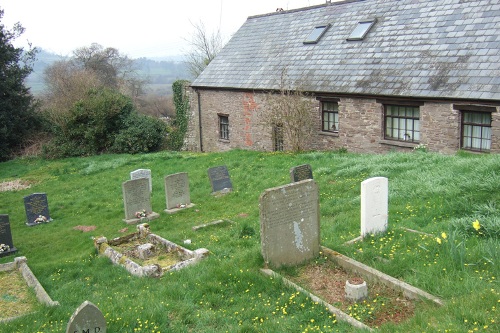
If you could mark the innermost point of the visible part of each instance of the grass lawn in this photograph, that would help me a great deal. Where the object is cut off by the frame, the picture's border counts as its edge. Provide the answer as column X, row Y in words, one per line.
column 451, row 200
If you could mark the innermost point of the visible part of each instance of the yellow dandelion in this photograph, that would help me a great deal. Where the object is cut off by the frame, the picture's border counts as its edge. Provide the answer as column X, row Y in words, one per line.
column 443, row 235
column 438, row 240
column 476, row 225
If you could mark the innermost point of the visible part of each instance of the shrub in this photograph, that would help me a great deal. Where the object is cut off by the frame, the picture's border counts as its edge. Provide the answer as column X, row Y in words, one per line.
column 141, row 134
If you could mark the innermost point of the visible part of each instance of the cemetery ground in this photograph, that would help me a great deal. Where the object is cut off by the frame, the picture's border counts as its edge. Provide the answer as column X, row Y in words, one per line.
column 443, row 237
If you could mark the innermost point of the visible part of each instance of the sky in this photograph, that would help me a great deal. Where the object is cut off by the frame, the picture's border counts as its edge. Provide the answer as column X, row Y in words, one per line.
column 147, row 28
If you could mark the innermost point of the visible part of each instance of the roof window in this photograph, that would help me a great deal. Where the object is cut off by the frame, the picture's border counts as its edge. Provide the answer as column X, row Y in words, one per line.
column 361, row 30
column 316, row 34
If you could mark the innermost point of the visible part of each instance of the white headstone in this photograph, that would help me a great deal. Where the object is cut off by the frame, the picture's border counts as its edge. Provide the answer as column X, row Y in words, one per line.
column 143, row 173
column 374, row 205
column 87, row 319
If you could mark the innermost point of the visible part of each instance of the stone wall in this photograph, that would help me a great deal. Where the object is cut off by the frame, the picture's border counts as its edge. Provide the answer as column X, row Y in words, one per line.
column 360, row 125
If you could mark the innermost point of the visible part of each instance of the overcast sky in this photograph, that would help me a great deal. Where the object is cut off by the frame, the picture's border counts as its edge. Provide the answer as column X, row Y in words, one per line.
column 147, row 28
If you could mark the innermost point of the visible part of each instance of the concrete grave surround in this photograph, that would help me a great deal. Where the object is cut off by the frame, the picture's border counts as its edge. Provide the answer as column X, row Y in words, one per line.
column 289, row 223
column 36, row 205
column 87, row 319
column 6, row 235
column 177, row 192
column 143, row 173
column 300, row 172
column 374, row 205
column 219, row 179
column 136, row 198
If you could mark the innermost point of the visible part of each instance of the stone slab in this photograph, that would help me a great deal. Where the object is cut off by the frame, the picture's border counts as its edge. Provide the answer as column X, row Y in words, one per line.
column 37, row 209
column 300, row 172
column 137, row 198
column 87, row 319
column 374, row 205
column 177, row 191
column 143, row 173
column 289, row 223
column 219, row 179
column 6, row 237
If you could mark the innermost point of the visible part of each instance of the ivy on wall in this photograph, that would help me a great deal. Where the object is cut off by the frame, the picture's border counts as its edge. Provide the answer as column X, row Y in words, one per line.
column 180, row 124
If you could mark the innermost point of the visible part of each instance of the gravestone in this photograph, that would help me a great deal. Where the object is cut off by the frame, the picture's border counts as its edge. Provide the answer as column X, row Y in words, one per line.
column 177, row 192
column 143, row 173
column 300, row 172
column 37, row 209
column 87, row 319
column 219, row 179
column 289, row 223
column 374, row 205
column 6, row 244
column 137, row 201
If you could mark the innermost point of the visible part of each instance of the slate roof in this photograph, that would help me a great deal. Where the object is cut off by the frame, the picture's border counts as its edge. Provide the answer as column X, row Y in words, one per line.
column 418, row 48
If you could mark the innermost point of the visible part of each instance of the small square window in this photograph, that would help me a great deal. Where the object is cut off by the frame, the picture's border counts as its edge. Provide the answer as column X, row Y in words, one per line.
column 316, row 34
column 361, row 30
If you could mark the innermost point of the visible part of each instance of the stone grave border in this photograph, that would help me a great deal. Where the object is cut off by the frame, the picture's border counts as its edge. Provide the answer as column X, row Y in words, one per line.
column 20, row 263
column 103, row 246
column 216, row 222
column 369, row 274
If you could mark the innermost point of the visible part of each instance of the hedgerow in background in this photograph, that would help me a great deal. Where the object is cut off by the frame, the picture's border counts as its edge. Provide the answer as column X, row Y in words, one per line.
column 176, row 136
column 18, row 120
column 105, row 121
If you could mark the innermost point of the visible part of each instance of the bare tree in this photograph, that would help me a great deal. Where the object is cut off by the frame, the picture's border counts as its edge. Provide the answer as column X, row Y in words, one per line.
column 204, row 48
column 290, row 114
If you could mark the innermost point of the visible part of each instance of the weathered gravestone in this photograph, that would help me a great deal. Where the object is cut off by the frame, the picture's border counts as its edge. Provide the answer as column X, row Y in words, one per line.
column 137, row 201
column 87, row 319
column 37, row 209
column 177, row 192
column 300, row 172
column 143, row 173
column 374, row 205
column 219, row 179
column 6, row 244
column 289, row 223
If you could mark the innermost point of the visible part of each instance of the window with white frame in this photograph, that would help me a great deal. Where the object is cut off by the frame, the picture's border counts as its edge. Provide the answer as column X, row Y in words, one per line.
column 402, row 123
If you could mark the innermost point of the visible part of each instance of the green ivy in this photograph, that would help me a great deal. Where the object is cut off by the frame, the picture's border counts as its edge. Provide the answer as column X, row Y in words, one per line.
column 180, row 124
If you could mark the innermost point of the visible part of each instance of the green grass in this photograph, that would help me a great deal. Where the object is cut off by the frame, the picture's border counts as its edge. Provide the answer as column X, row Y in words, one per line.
column 432, row 193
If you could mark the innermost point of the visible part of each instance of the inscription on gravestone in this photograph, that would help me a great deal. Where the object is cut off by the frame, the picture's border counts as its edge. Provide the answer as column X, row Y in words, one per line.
column 177, row 190
column 87, row 319
column 219, row 178
column 289, row 222
column 143, row 173
column 6, row 244
column 136, row 197
column 374, row 205
column 301, row 172
column 37, row 209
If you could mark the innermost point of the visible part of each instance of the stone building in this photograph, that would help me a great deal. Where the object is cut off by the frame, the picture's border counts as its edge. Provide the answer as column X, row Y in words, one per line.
column 383, row 75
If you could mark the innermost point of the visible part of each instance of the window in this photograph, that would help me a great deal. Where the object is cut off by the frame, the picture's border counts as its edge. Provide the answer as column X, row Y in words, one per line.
column 224, row 127
column 330, row 116
column 402, row 123
column 278, row 137
column 361, row 30
column 316, row 34
column 476, row 130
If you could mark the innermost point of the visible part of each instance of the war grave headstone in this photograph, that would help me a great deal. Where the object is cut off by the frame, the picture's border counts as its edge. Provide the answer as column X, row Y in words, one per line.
column 137, row 201
column 87, row 319
column 300, row 172
column 177, row 192
column 289, row 223
column 6, row 244
column 220, row 180
column 37, row 209
column 143, row 173
column 374, row 205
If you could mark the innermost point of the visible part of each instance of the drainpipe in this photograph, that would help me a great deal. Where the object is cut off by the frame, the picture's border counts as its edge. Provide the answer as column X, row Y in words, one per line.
column 199, row 120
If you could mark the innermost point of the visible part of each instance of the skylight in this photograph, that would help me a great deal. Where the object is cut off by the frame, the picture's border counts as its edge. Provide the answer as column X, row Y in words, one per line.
column 361, row 30
column 316, row 34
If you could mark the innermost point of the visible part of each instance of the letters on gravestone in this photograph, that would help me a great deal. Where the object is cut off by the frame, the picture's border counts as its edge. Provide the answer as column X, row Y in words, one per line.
column 37, row 209
column 374, row 205
column 177, row 192
column 87, row 319
column 219, row 179
column 289, row 223
column 143, row 173
column 6, row 244
column 137, row 201
column 301, row 172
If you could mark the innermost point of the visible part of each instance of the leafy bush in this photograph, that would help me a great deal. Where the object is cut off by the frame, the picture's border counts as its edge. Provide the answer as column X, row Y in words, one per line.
column 141, row 135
